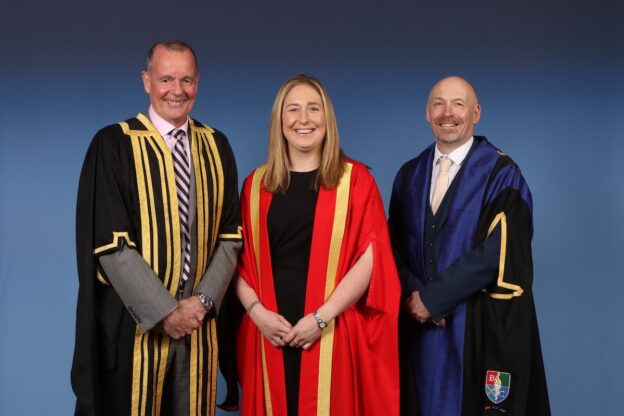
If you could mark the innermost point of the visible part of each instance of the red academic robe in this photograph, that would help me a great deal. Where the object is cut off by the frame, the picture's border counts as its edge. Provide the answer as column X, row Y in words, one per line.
column 353, row 368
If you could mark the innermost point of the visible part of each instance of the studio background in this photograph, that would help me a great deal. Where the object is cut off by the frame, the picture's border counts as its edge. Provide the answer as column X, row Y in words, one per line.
column 550, row 77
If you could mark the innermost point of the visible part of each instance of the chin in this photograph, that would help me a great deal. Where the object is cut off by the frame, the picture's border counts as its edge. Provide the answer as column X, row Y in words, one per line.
column 449, row 140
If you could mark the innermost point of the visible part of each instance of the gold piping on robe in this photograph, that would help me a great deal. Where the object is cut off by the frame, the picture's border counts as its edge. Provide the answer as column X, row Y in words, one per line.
column 500, row 280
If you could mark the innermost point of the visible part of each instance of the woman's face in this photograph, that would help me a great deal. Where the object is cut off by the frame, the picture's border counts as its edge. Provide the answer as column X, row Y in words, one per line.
column 303, row 121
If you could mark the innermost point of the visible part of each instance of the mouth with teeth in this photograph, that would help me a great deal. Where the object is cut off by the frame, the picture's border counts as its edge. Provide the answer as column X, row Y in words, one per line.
column 448, row 122
column 175, row 102
column 304, row 132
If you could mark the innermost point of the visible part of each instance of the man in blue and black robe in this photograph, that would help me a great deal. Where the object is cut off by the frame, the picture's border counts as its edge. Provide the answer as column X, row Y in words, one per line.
column 461, row 225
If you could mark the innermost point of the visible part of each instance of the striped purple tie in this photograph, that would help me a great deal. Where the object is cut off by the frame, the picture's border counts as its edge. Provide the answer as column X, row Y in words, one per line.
column 183, row 182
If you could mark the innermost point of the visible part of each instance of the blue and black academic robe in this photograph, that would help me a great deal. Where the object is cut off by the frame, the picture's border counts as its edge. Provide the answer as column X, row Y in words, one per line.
column 472, row 265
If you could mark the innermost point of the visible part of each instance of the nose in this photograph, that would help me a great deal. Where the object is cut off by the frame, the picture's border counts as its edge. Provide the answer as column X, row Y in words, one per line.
column 177, row 87
column 448, row 110
column 303, row 116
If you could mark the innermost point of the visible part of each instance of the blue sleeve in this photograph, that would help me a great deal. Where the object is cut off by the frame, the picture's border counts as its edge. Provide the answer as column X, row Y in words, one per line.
column 473, row 271
column 409, row 281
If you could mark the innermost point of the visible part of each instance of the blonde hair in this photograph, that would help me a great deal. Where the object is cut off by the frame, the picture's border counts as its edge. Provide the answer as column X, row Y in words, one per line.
column 277, row 177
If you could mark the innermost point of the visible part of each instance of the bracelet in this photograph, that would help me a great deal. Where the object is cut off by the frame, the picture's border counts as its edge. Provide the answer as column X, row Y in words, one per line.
column 252, row 305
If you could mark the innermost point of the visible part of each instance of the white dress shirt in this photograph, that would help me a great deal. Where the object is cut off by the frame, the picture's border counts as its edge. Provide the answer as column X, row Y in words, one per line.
column 457, row 156
column 165, row 128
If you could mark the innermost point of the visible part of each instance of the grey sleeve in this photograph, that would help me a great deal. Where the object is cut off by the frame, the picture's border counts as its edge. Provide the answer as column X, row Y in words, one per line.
column 143, row 294
column 222, row 265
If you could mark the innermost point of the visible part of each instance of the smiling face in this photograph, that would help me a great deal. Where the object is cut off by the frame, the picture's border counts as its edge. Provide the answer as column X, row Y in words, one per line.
column 171, row 82
column 452, row 112
column 303, row 122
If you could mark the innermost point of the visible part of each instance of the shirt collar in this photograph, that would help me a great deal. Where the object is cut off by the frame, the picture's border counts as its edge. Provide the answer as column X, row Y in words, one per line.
column 458, row 155
column 162, row 125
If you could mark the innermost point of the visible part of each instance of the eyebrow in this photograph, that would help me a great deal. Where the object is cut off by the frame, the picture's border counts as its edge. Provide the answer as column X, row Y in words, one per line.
column 299, row 105
column 452, row 99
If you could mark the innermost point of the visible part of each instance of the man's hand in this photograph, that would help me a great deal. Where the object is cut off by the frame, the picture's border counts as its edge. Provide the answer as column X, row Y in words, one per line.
column 185, row 318
column 440, row 324
column 417, row 310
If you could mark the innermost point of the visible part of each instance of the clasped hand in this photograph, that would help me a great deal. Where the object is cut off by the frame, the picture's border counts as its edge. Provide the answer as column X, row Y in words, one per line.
column 415, row 307
column 187, row 317
column 280, row 332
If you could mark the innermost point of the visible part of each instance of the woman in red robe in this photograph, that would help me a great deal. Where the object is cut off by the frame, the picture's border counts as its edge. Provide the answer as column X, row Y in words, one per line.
column 317, row 275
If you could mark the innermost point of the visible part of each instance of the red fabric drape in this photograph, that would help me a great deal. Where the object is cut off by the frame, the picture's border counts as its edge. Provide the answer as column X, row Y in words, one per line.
column 364, row 357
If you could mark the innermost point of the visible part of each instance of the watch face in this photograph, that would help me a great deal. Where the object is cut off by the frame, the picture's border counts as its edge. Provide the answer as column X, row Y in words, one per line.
column 205, row 300
column 320, row 322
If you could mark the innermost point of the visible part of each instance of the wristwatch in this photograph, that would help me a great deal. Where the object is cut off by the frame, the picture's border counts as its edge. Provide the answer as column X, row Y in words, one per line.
column 207, row 303
column 322, row 324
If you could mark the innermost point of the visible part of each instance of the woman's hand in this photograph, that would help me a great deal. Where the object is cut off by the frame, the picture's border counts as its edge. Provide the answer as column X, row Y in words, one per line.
column 272, row 325
column 304, row 334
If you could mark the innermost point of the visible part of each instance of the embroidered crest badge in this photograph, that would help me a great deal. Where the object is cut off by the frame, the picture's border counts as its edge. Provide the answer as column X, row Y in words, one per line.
column 497, row 385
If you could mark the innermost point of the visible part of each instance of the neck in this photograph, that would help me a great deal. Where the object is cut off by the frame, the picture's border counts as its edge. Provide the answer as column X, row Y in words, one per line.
column 445, row 147
column 304, row 162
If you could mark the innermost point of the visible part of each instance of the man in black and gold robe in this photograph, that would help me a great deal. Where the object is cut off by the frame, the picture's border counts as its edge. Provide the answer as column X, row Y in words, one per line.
column 145, row 334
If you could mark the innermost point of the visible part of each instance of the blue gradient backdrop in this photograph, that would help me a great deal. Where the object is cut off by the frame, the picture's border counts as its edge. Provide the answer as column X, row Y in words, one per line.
column 551, row 83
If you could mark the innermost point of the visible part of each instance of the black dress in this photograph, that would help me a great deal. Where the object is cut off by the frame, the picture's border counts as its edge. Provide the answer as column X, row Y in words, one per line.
column 290, row 223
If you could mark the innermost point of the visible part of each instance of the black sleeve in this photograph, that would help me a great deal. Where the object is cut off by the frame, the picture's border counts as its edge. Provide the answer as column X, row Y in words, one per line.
column 229, row 228
column 100, row 211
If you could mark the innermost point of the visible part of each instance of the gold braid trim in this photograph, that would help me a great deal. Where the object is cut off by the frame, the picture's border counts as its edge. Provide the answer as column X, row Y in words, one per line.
column 254, row 211
column 327, row 337
column 149, row 368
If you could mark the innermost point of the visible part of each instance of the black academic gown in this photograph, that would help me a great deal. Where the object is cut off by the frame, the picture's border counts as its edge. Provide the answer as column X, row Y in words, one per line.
column 127, row 197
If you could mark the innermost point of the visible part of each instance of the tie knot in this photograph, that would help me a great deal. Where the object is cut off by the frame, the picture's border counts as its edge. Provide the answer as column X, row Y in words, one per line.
column 445, row 164
column 178, row 134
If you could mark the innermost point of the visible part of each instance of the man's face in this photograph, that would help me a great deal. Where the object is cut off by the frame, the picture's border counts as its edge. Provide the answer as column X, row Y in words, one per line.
column 452, row 112
column 171, row 82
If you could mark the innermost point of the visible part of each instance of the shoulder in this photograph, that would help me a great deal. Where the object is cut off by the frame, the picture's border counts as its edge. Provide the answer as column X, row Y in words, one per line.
column 109, row 148
column 423, row 157
column 257, row 173
column 503, row 163
column 108, row 139
column 409, row 168
column 358, row 170
column 357, row 167
column 506, row 175
column 219, row 137
column 205, row 128
column 119, row 129
column 362, row 180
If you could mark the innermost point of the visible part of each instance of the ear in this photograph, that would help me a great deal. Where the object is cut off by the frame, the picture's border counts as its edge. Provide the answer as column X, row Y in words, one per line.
column 146, row 81
column 477, row 114
column 427, row 116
